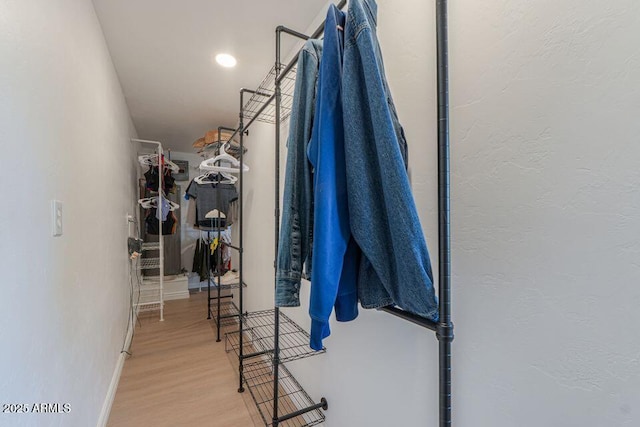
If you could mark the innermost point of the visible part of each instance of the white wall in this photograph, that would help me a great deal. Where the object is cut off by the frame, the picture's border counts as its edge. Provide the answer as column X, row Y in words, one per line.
column 64, row 132
column 546, row 237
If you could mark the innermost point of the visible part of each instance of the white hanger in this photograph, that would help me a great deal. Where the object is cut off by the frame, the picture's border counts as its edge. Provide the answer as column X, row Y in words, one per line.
column 152, row 160
column 210, row 164
column 152, row 202
column 215, row 214
column 211, row 177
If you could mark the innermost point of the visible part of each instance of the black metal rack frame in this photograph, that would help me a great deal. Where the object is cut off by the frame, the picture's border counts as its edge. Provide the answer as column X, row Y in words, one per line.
column 444, row 327
column 226, row 315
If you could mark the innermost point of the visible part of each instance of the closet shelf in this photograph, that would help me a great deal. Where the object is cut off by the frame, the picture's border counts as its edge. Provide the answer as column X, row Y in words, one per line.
column 291, row 396
column 266, row 90
column 149, row 263
column 258, row 337
column 151, row 246
column 149, row 306
column 223, row 287
column 227, row 308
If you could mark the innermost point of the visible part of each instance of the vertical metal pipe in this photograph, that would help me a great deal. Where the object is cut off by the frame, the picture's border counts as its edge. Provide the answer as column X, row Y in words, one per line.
column 208, row 277
column 445, row 327
column 276, row 334
column 241, row 254
column 161, row 236
column 219, row 249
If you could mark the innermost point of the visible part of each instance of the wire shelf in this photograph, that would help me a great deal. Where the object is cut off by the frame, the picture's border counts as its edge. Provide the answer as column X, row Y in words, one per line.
column 151, row 246
column 291, row 396
column 227, row 308
column 259, row 333
column 225, row 287
column 149, row 306
column 267, row 89
column 149, row 263
column 148, row 287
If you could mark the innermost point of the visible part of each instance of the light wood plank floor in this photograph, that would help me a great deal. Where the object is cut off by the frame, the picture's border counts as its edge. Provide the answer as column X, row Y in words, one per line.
column 178, row 375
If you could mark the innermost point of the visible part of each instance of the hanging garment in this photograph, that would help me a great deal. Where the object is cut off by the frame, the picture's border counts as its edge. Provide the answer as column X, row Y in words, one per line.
column 395, row 266
column 197, row 257
column 333, row 280
column 163, row 209
column 168, row 227
column 209, row 197
column 294, row 249
column 152, row 178
column 205, row 261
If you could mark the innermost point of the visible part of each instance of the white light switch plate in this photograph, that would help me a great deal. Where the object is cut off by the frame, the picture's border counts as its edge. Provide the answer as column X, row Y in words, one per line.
column 56, row 216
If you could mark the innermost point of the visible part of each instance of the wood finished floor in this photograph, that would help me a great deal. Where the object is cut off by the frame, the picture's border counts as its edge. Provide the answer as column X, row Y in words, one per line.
column 178, row 375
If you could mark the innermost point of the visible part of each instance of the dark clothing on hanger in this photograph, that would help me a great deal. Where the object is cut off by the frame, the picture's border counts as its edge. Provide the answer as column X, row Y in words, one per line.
column 209, row 197
column 168, row 227
column 153, row 180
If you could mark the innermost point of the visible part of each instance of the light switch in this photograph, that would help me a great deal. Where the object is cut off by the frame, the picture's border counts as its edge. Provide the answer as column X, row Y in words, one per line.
column 56, row 216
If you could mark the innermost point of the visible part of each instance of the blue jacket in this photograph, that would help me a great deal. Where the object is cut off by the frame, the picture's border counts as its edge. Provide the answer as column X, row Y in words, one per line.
column 335, row 254
column 395, row 266
column 294, row 248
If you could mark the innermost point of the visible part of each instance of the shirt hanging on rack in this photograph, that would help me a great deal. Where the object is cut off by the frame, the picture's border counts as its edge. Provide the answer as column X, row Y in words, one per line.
column 395, row 268
column 209, row 197
column 333, row 279
column 294, row 249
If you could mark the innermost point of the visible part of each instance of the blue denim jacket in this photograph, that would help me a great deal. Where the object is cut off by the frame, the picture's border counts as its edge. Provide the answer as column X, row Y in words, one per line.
column 295, row 233
column 395, row 266
column 333, row 278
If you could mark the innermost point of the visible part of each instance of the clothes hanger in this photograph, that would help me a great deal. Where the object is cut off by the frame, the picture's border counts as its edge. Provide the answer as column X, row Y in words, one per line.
column 210, row 164
column 152, row 202
column 152, row 160
column 215, row 214
column 213, row 177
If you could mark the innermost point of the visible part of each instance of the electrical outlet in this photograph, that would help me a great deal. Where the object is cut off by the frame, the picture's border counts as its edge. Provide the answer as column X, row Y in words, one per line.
column 56, row 218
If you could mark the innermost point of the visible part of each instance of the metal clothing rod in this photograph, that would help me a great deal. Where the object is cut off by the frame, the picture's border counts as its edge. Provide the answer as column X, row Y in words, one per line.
column 413, row 318
column 317, row 33
column 321, row 405
column 246, row 127
column 253, row 119
column 241, row 251
column 223, row 296
column 256, row 354
column 219, row 322
column 445, row 329
column 276, row 316
column 209, row 278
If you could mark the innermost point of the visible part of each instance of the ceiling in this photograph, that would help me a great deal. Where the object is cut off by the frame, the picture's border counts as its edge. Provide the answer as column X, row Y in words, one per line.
column 163, row 52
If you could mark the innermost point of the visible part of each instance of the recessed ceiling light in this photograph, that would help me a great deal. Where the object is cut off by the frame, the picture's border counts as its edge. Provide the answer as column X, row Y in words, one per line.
column 226, row 60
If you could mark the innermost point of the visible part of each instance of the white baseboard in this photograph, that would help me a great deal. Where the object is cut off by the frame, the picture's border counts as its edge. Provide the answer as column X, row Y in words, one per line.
column 113, row 386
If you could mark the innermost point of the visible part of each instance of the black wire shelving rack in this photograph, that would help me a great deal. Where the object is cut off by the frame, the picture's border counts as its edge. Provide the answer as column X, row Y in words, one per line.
column 260, row 378
column 259, row 331
column 229, row 313
column 223, row 311
column 270, row 383
column 257, row 109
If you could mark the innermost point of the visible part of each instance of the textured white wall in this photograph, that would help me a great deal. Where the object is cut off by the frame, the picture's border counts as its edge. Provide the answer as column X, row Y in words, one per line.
column 546, row 237
column 64, row 134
